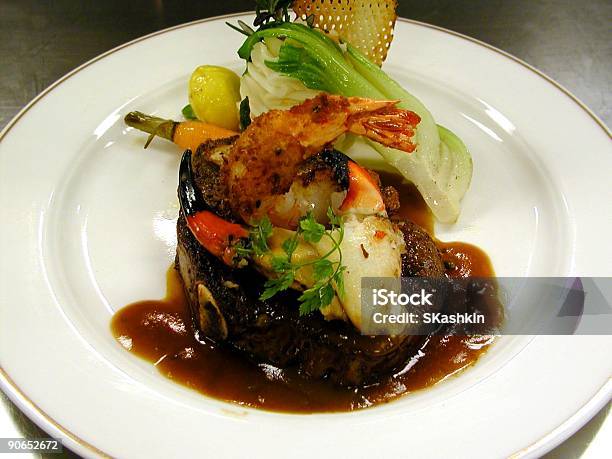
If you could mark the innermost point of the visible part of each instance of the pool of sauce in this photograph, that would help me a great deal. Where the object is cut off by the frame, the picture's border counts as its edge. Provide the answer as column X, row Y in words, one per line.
column 160, row 331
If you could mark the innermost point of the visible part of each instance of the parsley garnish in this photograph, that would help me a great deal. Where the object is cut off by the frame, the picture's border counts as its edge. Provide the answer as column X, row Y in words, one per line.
column 325, row 272
column 271, row 10
column 266, row 12
column 257, row 243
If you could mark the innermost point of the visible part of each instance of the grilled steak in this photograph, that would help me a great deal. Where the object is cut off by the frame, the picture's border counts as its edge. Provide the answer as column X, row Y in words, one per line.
column 226, row 308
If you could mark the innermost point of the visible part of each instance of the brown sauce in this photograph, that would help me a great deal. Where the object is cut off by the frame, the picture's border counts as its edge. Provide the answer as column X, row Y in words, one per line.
column 160, row 332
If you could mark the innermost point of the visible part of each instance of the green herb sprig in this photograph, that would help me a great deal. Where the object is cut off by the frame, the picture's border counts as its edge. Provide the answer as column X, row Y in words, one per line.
column 271, row 10
column 257, row 243
column 266, row 12
column 325, row 272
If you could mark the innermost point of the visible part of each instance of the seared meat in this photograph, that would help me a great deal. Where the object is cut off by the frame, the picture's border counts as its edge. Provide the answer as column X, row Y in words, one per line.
column 422, row 258
column 206, row 162
column 226, row 308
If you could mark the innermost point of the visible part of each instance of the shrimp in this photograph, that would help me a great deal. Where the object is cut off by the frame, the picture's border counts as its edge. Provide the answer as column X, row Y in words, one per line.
column 263, row 163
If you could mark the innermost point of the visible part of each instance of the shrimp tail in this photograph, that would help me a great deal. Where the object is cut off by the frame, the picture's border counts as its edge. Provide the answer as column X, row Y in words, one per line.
column 389, row 126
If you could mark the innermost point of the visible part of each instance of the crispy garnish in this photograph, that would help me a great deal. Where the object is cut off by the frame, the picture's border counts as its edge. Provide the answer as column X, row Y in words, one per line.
column 366, row 25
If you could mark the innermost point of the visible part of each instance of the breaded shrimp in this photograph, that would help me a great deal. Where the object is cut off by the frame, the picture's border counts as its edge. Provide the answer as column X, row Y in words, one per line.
column 265, row 159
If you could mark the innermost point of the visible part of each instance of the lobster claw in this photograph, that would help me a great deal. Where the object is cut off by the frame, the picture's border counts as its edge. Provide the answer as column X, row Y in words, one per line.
column 362, row 192
column 216, row 235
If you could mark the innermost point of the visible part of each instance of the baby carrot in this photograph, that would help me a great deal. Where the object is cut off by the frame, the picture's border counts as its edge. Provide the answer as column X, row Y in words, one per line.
column 186, row 134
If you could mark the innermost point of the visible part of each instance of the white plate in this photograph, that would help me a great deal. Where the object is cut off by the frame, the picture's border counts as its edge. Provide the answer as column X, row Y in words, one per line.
column 88, row 227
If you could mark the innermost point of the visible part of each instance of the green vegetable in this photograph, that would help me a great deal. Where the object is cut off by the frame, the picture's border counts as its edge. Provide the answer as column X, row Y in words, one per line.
column 321, row 63
column 440, row 167
column 242, row 27
column 312, row 231
column 187, row 112
column 267, row 10
column 245, row 114
column 325, row 272
column 258, row 239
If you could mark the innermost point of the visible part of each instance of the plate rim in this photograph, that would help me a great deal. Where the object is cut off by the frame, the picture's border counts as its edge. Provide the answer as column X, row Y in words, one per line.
column 550, row 440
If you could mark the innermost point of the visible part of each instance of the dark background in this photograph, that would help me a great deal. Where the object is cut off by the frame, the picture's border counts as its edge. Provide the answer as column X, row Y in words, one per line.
column 42, row 40
column 569, row 40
